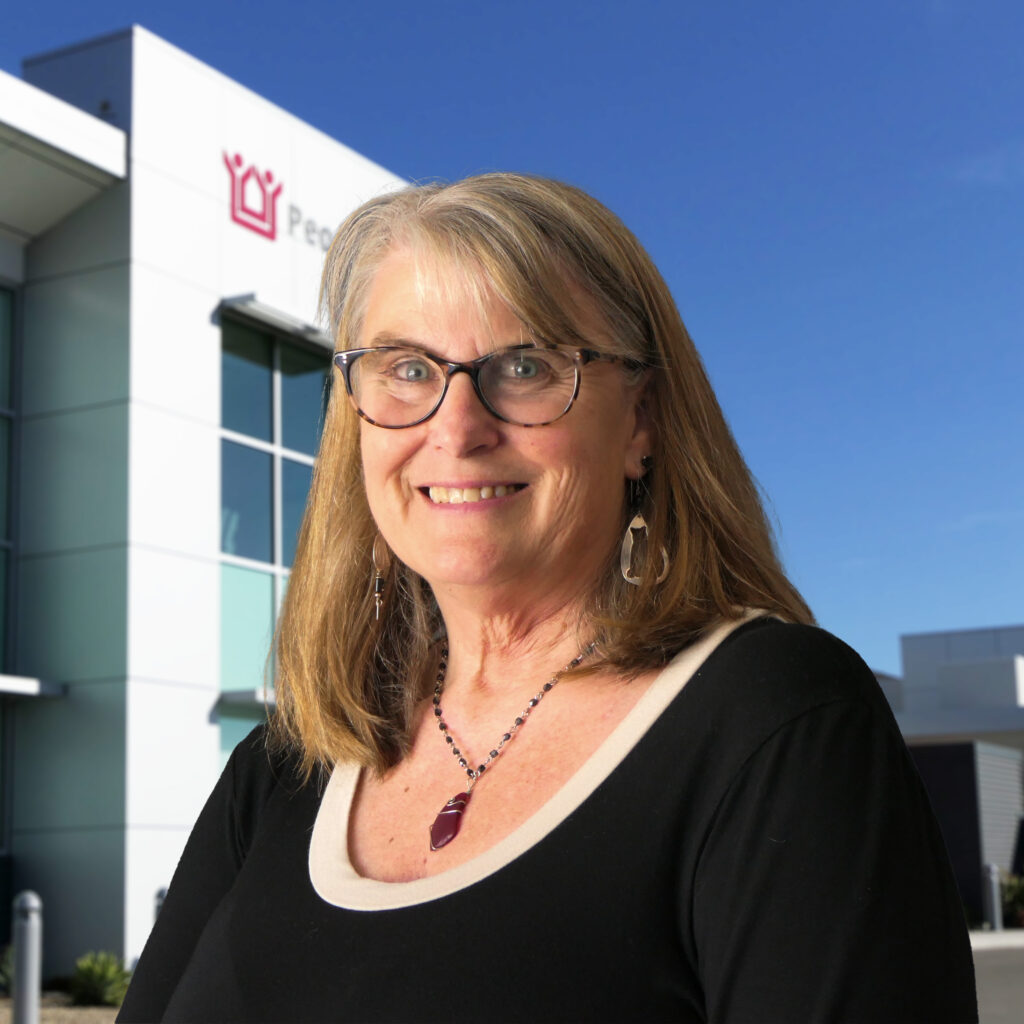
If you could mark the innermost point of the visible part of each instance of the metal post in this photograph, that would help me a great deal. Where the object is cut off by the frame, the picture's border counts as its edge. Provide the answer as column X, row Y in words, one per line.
column 28, row 956
column 993, row 897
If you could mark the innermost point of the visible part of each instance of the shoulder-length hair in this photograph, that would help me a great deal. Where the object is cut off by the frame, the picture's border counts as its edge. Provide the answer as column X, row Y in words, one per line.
column 346, row 682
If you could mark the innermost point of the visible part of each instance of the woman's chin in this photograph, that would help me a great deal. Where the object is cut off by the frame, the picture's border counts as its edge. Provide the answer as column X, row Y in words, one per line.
column 481, row 576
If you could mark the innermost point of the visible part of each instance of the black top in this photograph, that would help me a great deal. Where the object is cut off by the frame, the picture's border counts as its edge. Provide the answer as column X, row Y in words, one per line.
column 766, row 852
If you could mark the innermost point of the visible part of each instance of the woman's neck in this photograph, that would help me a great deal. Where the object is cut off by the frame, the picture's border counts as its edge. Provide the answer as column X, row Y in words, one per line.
column 494, row 651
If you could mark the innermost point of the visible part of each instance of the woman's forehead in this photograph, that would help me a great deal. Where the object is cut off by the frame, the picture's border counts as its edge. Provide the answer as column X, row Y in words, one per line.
column 412, row 292
column 462, row 295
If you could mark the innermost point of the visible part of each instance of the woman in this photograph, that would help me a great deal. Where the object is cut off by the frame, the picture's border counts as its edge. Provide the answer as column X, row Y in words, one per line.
column 555, row 737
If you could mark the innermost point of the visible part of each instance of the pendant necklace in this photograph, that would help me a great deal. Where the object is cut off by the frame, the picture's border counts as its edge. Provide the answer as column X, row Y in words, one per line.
column 447, row 823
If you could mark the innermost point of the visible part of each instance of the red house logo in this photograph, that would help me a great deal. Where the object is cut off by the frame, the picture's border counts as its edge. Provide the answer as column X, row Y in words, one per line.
column 253, row 197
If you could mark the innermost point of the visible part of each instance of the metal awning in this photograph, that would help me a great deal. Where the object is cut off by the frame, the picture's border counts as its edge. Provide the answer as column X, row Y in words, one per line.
column 23, row 686
column 54, row 158
column 248, row 308
column 246, row 700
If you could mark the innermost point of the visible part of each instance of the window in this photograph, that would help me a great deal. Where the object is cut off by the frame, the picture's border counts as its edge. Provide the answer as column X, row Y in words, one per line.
column 6, row 435
column 273, row 394
column 7, row 424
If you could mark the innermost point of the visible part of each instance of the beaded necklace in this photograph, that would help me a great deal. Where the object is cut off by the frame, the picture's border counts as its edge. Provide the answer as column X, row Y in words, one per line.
column 449, row 820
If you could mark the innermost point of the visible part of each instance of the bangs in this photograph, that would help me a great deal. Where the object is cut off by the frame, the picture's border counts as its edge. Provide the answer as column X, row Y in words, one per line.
column 468, row 269
column 561, row 280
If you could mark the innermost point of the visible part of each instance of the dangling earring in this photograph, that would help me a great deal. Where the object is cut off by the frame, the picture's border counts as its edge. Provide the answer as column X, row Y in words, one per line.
column 637, row 491
column 378, row 580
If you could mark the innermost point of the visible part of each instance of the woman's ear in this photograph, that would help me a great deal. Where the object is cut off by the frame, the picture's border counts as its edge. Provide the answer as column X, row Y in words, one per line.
column 641, row 441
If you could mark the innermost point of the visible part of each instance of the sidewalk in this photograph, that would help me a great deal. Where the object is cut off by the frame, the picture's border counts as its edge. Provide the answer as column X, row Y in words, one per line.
column 1009, row 938
column 999, row 969
column 55, row 1008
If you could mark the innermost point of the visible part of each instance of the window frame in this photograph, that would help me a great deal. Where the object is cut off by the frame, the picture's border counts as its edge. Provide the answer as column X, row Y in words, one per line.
column 9, row 542
column 282, row 332
column 305, row 339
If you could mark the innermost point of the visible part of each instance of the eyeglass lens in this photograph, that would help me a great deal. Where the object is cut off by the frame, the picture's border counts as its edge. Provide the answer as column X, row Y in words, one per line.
column 397, row 387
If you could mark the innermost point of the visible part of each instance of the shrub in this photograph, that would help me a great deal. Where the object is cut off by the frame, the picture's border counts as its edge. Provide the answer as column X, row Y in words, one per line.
column 100, row 979
column 1013, row 901
column 6, row 969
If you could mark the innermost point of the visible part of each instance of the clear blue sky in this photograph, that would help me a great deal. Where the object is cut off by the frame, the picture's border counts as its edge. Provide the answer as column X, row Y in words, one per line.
column 835, row 193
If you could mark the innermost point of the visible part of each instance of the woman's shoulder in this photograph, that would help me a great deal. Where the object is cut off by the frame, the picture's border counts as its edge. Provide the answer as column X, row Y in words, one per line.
column 770, row 672
column 258, row 768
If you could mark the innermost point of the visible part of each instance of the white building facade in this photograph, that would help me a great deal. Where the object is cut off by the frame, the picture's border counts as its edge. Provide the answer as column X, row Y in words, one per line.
column 162, row 232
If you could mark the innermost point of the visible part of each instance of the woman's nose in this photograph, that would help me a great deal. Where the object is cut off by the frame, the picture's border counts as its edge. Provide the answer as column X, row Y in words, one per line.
column 462, row 425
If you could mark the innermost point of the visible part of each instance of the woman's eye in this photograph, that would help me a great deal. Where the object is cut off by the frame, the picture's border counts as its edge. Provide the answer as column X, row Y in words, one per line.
column 411, row 371
column 524, row 368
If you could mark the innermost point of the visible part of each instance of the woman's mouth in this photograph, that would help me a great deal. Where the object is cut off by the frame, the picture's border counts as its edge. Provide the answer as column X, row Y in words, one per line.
column 467, row 495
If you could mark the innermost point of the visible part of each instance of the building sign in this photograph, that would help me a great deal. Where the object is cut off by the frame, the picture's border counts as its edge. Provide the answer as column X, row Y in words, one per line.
column 254, row 196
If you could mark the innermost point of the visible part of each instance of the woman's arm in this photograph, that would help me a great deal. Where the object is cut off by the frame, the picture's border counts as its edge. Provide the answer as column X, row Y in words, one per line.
column 824, row 892
column 208, row 867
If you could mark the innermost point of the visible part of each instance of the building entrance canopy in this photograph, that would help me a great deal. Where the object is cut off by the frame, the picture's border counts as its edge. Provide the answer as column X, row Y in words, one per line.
column 53, row 159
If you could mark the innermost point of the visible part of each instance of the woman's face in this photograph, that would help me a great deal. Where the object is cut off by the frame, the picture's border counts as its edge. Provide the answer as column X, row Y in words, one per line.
column 561, row 515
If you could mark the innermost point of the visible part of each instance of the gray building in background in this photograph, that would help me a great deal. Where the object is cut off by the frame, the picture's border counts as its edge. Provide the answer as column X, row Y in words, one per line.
column 960, row 706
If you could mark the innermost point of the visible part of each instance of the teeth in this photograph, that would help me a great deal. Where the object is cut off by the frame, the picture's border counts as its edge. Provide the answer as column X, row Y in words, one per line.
column 461, row 495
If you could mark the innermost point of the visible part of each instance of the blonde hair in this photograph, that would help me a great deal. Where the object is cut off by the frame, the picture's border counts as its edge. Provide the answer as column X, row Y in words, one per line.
column 346, row 683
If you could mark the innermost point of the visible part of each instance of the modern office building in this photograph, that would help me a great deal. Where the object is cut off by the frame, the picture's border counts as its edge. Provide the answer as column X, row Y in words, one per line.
column 961, row 685
column 960, row 706
column 162, row 231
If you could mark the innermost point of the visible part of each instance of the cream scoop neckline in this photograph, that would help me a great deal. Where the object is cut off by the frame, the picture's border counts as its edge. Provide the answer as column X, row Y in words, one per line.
column 336, row 881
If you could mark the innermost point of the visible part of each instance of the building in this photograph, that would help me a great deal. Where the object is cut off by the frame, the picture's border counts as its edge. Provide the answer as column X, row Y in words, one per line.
column 162, row 231
column 961, row 685
column 960, row 706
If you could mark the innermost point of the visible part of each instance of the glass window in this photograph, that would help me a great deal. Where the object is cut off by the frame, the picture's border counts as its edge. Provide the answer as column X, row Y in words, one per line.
column 295, row 480
column 246, row 383
column 274, row 393
column 303, row 394
column 247, row 625
column 246, row 511
column 3, row 605
column 5, row 465
column 6, row 346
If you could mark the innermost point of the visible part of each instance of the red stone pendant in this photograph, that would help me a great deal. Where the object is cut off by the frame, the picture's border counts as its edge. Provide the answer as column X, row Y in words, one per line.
column 446, row 824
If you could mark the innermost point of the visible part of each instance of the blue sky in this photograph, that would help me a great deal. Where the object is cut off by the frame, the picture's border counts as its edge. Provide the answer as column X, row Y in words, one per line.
column 834, row 192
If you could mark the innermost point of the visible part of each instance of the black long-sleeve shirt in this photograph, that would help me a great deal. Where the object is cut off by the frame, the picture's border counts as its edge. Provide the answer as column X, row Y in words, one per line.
column 765, row 852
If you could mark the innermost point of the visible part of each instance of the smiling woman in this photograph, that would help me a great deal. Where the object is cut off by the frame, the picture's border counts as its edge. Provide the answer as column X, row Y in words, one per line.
column 541, row 679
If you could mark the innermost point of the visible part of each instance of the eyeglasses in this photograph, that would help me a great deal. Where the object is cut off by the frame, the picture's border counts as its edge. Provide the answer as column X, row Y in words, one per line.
column 394, row 386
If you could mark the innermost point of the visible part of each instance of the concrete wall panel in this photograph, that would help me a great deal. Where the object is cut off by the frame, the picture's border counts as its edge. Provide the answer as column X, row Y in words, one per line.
column 93, row 237
column 175, row 347
column 72, row 616
column 74, row 480
column 151, row 855
column 175, row 483
column 76, row 341
column 69, row 755
column 175, row 619
column 79, row 873
column 173, row 753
